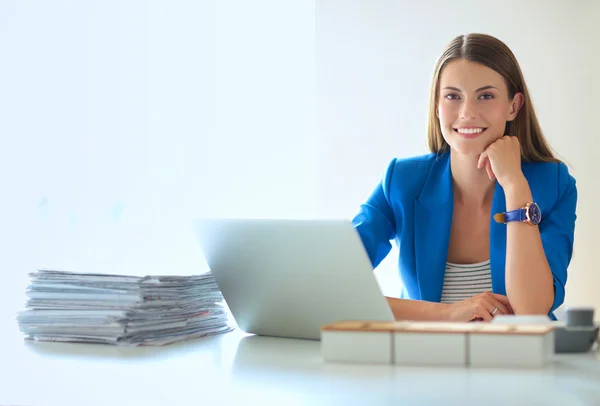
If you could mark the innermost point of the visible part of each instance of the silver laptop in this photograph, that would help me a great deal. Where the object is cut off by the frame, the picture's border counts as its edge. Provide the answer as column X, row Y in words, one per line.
column 287, row 278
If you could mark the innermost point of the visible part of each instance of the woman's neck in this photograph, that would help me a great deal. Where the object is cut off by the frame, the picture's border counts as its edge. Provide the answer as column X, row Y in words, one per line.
column 472, row 186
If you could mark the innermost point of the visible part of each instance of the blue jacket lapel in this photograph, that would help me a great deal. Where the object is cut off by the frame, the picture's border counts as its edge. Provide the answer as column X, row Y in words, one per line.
column 433, row 210
column 432, row 223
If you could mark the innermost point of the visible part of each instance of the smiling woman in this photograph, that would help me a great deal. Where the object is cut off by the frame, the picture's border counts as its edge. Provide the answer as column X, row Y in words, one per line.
column 486, row 220
column 478, row 86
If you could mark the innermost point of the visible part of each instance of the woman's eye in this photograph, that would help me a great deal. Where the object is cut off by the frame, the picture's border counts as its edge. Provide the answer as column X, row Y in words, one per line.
column 487, row 96
column 452, row 96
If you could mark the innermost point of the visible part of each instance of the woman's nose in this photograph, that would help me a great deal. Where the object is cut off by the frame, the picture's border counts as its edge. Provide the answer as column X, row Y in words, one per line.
column 467, row 110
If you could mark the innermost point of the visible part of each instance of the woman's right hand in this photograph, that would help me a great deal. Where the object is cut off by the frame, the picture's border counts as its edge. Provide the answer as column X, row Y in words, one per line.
column 483, row 306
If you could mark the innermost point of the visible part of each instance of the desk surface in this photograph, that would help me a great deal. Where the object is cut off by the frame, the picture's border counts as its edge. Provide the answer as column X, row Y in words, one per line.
column 235, row 368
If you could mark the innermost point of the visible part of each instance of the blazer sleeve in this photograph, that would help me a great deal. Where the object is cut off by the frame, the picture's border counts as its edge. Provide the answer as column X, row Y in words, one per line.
column 557, row 231
column 375, row 221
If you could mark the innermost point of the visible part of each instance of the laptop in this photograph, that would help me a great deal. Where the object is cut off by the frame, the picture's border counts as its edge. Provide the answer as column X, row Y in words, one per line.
column 287, row 278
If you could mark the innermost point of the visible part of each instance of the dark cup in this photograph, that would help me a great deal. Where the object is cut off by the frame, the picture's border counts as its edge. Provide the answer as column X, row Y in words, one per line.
column 579, row 316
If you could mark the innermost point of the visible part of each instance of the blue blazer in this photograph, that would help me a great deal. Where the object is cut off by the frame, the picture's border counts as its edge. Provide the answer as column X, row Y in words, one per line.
column 413, row 205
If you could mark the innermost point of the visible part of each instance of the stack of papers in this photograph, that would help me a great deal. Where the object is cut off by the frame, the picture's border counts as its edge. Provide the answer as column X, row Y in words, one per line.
column 122, row 310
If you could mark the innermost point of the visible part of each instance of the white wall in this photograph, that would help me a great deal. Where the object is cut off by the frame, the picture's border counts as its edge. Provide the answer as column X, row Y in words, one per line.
column 121, row 120
column 374, row 65
column 265, row 144
column 583, row 143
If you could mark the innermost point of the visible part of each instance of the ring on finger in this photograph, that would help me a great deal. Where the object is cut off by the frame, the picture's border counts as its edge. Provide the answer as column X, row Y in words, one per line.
column 494, row 311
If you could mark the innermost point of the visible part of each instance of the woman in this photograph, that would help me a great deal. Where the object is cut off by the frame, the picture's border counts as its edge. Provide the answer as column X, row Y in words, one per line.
column 485, row 222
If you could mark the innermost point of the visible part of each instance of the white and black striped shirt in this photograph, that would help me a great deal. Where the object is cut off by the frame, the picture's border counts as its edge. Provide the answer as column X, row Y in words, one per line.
column 464, row 281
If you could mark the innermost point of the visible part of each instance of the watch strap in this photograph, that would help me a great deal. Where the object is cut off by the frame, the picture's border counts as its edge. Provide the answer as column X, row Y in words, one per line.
column 515, row 215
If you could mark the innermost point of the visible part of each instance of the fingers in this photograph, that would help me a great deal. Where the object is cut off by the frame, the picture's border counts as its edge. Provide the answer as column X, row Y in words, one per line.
column 502, row 308
column 488, row 305
column 498, row 301
column 493, row 307
column 483, row 160
column 484, row 314
column 482, row 309
column 497, row 305
column 501, row 298
column 489, row 170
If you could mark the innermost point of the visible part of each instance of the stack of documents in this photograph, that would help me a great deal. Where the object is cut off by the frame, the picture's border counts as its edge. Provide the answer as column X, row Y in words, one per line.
column 122, row 310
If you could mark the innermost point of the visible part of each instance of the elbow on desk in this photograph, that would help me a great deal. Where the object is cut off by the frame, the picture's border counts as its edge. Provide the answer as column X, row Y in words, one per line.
column 532, row 309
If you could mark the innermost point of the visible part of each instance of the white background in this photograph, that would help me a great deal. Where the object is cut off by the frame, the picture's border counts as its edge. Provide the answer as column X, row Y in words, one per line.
column 121, row 120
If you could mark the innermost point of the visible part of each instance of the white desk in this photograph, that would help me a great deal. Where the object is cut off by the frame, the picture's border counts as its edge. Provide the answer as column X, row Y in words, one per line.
column 240, row 369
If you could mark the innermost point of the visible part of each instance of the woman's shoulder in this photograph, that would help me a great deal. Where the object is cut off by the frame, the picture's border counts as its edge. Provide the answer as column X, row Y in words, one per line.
column 419, row 163
column 550, row 179
column 408, row 174
column 550, row 171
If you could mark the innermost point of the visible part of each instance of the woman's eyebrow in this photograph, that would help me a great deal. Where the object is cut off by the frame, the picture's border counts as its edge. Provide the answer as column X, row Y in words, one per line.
column 456, row 89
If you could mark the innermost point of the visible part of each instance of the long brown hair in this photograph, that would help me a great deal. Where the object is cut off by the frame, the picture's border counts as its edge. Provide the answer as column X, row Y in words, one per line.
column 494, row 54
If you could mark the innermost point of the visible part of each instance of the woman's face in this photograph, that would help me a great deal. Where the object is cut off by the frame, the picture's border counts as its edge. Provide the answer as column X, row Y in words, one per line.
column 474, row 106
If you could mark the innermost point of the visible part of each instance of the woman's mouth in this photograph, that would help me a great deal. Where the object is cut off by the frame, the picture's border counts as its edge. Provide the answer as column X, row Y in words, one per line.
column 469, row 132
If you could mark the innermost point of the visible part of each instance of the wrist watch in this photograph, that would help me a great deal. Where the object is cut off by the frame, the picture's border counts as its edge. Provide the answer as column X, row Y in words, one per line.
column 530, row 214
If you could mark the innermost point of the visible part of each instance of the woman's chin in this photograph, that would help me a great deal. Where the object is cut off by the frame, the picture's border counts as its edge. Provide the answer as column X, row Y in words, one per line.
column 469, row 148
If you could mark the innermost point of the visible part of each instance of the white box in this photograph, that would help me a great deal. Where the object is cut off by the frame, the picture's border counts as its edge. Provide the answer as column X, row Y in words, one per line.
column 494, row 345
column 357, row 342
column 431, row 344
column 438, row 344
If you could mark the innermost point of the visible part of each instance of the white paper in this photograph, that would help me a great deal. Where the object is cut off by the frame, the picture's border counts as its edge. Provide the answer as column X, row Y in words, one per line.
column 121, row 310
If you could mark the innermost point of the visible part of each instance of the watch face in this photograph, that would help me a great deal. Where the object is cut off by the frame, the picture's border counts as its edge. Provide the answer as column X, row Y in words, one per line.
column 534, row 214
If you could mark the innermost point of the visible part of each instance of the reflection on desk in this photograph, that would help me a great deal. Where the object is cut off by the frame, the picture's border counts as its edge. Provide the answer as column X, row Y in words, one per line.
column 286, row 365
column 236, row 368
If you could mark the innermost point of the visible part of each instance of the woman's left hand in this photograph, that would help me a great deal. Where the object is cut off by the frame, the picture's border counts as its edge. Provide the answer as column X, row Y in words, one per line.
column 502, row 160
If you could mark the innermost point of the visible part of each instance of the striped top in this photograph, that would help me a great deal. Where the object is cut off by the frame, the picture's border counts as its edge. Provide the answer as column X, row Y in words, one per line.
column 464, row 281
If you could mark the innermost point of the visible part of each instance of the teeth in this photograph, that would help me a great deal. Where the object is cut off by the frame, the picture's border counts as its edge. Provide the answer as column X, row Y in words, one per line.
column 469, row 130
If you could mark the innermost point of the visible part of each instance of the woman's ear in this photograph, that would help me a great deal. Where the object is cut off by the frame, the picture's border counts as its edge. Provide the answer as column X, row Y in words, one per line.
column 515, row 106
